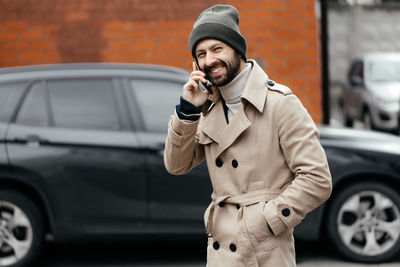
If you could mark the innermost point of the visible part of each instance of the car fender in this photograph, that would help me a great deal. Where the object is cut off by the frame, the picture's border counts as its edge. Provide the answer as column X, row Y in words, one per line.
column 24, row 181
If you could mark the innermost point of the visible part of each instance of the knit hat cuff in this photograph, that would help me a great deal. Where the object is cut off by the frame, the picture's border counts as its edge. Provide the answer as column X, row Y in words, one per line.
column 219, row 32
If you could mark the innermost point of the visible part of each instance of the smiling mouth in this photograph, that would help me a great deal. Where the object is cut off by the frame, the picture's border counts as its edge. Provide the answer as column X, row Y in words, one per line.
column 216, row 71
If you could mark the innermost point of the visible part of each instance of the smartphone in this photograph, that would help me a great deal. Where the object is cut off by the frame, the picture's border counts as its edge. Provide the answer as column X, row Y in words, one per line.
column 204, row 86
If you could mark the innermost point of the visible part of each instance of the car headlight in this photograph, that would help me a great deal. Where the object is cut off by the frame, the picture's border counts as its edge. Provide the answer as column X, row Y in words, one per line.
column 387, row 101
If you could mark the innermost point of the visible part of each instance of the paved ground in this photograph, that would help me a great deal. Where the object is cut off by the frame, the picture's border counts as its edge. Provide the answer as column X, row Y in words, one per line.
column 173, row 253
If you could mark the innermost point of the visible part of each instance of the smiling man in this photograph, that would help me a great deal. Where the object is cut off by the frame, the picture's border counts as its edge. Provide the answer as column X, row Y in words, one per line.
column 267, row 167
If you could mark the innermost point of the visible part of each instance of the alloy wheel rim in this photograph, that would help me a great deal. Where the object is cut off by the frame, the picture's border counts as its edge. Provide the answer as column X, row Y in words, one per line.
column 15, row 234
column 369, row 223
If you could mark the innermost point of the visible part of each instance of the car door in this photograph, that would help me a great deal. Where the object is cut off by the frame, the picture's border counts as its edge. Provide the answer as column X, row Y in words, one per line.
column 173, row 199
column 72, row 136
column 10, row 93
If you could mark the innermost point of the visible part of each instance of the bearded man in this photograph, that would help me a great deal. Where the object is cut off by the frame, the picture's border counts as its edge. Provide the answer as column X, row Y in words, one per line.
column 267, row 167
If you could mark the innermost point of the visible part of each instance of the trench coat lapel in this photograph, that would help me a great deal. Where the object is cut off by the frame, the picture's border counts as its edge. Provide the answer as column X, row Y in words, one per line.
column 255, row 91
column 214, row 122
column 233, row 130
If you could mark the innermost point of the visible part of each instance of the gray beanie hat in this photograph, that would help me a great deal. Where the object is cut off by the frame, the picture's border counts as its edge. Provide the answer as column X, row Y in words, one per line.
column 220, row 22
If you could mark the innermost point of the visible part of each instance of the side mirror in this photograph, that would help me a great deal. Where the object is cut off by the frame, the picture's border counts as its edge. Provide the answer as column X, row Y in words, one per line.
column 356, row 80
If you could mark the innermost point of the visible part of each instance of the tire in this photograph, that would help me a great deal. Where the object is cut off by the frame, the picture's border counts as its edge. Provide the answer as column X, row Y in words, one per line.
column 364, row 222
column 21, row 229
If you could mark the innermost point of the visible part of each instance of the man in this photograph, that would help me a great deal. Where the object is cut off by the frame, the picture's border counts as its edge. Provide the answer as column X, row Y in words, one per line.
column 266, row 165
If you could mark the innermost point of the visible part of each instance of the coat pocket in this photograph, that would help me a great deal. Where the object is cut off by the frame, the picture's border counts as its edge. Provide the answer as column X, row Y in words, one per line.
column 257, row 225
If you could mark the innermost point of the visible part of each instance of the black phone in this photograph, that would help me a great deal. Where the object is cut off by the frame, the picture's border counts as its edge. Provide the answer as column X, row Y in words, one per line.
column 204, row 86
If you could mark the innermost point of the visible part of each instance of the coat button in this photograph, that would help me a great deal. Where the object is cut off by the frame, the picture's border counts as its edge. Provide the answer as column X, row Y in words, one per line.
column 219, row 162
column 286, row 212
column 271, row 83
column 232, row 247
column 221, row 204
column 216, row 245
column 238, row 206
column 235, row 164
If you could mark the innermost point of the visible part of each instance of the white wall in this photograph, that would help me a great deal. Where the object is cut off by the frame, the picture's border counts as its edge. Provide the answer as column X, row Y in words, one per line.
column 354, row 31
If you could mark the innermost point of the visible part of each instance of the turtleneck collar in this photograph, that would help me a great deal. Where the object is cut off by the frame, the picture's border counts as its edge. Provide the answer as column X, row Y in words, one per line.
column 233, row 90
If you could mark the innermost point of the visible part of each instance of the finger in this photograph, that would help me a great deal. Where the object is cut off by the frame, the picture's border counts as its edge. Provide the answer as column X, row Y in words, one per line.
column 197, row 72
column 191, row 86
column 198, row 78
column 194, row 66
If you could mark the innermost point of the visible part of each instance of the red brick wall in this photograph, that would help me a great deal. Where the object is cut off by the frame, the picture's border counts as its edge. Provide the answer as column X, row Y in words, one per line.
column 282, row 34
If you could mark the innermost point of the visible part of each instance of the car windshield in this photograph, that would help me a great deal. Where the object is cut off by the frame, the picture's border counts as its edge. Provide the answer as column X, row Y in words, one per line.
column 384, row 70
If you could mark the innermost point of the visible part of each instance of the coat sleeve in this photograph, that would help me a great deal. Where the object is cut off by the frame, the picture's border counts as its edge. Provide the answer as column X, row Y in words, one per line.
column 304, row 155
column 182, row 151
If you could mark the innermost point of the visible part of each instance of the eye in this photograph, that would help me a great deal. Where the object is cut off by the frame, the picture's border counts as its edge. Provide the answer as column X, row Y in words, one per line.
column 218, row 49
column 200, row 54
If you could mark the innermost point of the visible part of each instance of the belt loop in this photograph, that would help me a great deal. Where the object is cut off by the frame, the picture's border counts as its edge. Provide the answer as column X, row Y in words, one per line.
column 211, row 214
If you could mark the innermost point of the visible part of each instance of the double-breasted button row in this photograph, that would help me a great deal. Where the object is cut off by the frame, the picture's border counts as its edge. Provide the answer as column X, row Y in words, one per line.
column 216, row 245
column 232, row 246
column 235, row 164
column 219, row 163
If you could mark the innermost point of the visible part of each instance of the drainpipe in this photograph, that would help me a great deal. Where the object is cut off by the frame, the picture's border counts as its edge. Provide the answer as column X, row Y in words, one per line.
column 324, row 62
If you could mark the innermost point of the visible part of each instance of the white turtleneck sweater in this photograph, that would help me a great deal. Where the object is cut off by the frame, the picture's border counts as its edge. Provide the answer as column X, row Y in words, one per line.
column 233, row 91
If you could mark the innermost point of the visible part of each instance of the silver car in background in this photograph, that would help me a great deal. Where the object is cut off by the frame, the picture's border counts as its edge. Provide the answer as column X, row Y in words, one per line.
column 372, row 92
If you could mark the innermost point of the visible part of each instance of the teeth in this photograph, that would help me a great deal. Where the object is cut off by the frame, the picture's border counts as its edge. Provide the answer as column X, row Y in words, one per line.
column 215, row 71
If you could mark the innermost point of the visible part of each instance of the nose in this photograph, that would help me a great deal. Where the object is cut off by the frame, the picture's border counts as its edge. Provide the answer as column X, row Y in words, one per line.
column 210, row 59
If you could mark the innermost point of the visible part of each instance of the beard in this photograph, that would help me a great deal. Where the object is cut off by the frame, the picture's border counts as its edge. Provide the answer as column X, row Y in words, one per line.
column 232, row 68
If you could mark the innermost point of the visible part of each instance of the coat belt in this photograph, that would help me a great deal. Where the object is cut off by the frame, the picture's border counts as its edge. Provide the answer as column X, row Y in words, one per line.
column 245, row 199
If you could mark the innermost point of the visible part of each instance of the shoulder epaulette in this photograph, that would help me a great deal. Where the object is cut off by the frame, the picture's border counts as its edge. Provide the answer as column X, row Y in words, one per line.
column 278, row 87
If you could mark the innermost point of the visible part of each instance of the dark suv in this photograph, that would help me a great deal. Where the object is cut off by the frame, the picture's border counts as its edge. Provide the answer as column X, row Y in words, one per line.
column 81, row 156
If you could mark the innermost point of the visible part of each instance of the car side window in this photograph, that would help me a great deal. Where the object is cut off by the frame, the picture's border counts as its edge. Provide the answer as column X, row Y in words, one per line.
column 34, row 110
column 10, row 93
column 84, row 103
column 156, row 100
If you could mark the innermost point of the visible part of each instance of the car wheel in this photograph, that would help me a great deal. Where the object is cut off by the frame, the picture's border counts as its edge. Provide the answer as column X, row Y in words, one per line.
column 364, row 222
column 21, row 229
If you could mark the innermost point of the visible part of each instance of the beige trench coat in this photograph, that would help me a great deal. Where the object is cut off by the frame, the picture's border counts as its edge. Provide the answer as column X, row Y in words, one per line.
column 266, row 166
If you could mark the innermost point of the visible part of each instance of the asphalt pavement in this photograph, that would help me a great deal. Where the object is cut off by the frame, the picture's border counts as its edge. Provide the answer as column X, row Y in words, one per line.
column 168, row 253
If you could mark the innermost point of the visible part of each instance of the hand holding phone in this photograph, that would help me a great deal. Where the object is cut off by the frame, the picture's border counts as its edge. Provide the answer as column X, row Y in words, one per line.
column 192, row 90
column 204, row 86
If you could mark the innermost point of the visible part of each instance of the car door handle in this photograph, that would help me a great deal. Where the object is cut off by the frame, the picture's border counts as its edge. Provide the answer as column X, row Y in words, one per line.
column 31, row 140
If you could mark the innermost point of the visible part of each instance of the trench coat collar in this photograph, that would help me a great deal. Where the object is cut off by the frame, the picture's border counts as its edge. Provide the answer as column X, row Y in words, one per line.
column 214, row 124
column 255, row 90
